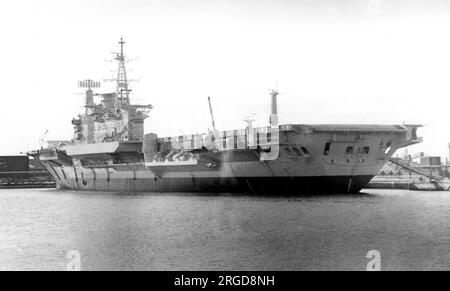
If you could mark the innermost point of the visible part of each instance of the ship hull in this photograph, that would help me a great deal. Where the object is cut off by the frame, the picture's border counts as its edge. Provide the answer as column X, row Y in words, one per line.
column 301, row 180
column 306, row 160
column 245, row 185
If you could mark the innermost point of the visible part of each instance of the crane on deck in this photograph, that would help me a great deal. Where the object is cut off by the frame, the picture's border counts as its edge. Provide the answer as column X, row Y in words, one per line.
column 211, row 112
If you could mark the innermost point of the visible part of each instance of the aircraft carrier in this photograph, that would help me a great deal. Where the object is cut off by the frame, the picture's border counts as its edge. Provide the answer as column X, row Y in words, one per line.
column 110, row 152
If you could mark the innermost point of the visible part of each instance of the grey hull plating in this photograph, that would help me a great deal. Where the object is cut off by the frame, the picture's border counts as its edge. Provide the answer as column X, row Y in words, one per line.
column 329, row 170
column 297, row 185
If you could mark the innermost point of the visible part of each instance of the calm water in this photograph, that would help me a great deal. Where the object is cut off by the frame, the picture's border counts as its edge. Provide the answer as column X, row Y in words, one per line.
column 411, row 230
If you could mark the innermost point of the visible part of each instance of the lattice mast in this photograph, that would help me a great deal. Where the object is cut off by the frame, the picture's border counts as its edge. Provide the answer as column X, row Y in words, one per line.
column 122, row 91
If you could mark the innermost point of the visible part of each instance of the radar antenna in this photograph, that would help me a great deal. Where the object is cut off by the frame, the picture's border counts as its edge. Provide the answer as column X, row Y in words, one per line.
column 88, row 84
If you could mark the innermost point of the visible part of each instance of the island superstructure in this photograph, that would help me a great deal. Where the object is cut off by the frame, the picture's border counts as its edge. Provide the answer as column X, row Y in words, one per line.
column 110, row 152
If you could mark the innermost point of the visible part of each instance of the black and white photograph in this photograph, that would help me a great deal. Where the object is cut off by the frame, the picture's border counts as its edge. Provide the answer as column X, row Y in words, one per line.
column 224, row 141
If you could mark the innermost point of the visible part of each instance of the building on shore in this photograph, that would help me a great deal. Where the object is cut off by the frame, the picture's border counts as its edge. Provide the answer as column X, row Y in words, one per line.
column 23, row 172
column 419, row 172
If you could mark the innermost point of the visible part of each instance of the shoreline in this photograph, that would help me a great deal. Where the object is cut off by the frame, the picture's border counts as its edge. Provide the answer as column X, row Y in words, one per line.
column 27, row 186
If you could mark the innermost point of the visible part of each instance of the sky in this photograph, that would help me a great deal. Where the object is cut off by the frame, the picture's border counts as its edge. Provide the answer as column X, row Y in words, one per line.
column 349, row 61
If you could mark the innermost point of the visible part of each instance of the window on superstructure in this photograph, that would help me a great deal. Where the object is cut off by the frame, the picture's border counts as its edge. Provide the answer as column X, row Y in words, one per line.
column 349, row 150
column 326, row 150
